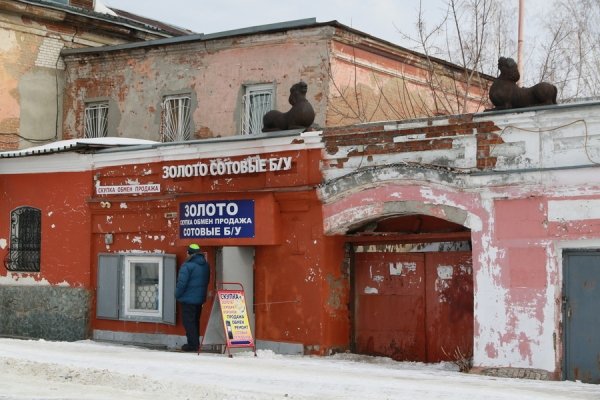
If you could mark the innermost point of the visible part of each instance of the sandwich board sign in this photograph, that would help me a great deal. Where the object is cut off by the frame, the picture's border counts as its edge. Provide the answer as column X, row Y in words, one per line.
column 228, row 323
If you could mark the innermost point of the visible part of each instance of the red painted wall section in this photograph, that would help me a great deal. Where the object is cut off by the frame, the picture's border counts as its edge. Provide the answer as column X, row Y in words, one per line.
column 61, row 197
column 520, row 219
column 138, row 225
column 303, row 171
column 301, row 283
column 518, row 293
column 370, row 203
column 301, row 291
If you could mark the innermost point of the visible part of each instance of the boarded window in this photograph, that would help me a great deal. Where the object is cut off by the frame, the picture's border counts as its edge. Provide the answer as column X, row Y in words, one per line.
column 176, row 118
column 256, row 102
column 136, row 288
column 25, row 240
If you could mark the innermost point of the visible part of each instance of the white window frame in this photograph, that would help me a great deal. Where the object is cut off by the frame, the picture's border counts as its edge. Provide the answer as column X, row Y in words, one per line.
column 128, row 311
column 256, row 102
column 96, row 119
column 176, row 124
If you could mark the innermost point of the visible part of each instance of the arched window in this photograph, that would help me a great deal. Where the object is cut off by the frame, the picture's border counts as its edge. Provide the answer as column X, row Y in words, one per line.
column 25, row 240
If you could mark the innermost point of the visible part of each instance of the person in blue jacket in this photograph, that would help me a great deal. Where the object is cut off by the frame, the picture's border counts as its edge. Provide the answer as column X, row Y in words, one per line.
column 191, row 290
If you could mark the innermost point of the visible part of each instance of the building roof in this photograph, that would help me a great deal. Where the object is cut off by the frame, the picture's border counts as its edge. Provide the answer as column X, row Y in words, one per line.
column 174, row 30
column 259, row 29
column 252, row 30
column 80, row 145
column 113, row 16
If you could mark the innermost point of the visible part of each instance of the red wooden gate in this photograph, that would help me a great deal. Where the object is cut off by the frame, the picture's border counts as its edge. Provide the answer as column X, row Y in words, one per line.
column 414, row 306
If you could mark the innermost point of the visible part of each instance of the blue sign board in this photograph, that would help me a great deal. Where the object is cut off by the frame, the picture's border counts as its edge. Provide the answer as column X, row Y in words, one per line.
column 220, row 219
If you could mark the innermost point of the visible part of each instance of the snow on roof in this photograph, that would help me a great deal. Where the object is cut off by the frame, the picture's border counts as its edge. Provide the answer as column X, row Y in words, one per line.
column 75, row 145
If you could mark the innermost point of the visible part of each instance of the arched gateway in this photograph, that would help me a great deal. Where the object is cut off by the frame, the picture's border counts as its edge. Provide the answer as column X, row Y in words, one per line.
column 410, row 235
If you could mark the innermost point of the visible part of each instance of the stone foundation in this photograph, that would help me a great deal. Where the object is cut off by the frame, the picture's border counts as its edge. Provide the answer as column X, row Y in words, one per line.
column 522, row 373
column 45, row 312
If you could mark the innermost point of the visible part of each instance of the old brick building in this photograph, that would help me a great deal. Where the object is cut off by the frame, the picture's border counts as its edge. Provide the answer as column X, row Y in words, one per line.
column 473, row 235
column 217, row 85
column 32, row 34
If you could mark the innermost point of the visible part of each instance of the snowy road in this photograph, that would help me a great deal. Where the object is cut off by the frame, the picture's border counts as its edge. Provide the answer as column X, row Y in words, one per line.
column 89, row 370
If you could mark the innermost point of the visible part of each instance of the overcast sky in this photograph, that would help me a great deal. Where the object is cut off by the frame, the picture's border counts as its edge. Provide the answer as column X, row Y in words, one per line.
column 375, row 17
column 379, row 18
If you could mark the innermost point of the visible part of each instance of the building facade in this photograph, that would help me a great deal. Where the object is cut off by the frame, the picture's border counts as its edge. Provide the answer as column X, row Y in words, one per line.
column 464, row 237
column 221, row 84
column 472, row 236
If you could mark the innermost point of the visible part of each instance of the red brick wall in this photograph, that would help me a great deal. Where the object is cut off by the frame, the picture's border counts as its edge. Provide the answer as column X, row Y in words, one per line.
column 375, row 139
column 87, row 4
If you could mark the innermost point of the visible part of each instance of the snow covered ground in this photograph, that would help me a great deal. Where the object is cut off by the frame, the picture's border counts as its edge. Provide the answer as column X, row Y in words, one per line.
column 37, row 369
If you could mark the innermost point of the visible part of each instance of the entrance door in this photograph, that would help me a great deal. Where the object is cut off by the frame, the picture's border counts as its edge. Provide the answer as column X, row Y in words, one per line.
column 236, row 264
column 580, row 315
column 390, row 305
column 414, row 306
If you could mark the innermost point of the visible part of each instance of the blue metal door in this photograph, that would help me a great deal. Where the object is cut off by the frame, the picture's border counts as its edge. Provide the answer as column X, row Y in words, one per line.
column 581, row 298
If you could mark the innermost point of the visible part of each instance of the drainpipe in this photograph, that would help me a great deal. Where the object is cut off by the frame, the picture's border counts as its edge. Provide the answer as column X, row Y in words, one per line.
column 520, row 41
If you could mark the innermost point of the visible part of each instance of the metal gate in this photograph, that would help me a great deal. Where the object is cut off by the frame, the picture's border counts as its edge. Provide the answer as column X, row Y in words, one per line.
column 414, row 306
column 581, row 297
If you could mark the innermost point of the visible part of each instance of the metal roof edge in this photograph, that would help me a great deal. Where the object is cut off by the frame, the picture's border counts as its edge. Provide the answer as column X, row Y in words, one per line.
column 196, row 37
column 558, row 107
column 81, row 144
column 133, row 45
column 227, row 139
column 99, row 16
column 122, row 145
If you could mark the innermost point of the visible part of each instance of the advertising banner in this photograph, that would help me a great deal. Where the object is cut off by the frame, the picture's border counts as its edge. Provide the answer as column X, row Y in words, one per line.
column 220, row 219
column 235, row 318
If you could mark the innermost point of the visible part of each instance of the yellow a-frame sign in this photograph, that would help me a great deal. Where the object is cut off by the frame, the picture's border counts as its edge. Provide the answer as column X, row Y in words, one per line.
column 228, row 323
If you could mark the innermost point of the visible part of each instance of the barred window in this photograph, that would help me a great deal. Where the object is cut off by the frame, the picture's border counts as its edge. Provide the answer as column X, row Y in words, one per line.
column 176, row 118
column 25, row 240
column 96, row 120
column 256, row 102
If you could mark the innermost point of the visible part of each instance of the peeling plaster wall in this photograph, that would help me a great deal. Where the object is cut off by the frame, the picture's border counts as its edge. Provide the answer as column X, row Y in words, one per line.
column 528, row 189
column 32, row 72
column 371, row 83
column 301, row 286
column 301, row 281
column 55, row 302
column 214, row 72
column 338, row 65
column 61, row 198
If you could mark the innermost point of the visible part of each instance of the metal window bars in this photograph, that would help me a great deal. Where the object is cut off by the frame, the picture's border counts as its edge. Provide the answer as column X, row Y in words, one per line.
column 25, row 240
column 96, row 120
column 176, row 119
column 255, row 104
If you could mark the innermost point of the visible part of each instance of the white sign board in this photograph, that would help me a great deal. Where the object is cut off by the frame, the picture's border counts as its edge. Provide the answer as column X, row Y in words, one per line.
column 129, row 189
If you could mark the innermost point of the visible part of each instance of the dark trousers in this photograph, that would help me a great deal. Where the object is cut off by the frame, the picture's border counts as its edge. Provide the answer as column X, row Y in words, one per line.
column 191, row 322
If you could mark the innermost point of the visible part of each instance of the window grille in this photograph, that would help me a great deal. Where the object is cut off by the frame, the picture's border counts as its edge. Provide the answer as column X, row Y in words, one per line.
column 176, row 123
column 96, row 120
column 143, row 286
column 256, row 102
column 25, row 240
